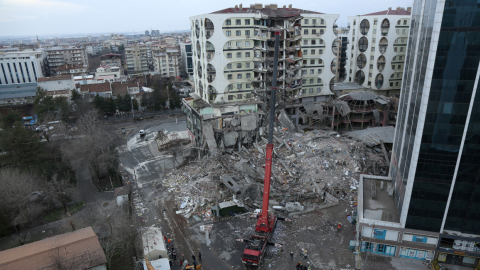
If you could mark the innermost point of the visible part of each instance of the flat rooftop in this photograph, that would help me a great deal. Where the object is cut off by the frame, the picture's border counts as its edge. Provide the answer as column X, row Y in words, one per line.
column 381, row 206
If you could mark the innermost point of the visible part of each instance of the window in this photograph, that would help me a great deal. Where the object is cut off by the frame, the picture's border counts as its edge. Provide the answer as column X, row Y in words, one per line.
column 304, row 62
column 314, row 31
column 310, row 81
column 398, row 75
column 247, row 54
column 321, row 31
column 310, row 90
column 248, row 95
column 238, row 44
column 306, row 21
column 373, row 40
column 312, row 62
column 373, row 49
column 239, row 86
column 314, row 21
column 239, row 96
column 371, row 66
column 247, row 22
column 353, row 22
column 323, row 22
column 229, row 55
column 396, row 84
column 353, row 38
column 312, row 71
column 313, row 42
column 239, row 55
column 393, row 66
column 248, row 85
column 305, row 31
column 395, row 49
column 304, row 71
column 239, row 76
column 230, row 76
column 247, row 65
column 305, row 42
column 391, row 84
column 319, row 80
column 320, row 51
column 400, row 57
column 239, row 65
column 247, row 43
column 320, row 61
column 238, row 33
column 305, row 52
column 372, row 57
column 304, row 81
column 399, row 67
column 319, row 89
column 248, row 76
column 228, row 22
column 229, row 44
column 405, row 22
column 229, row 66
column 374, row 31
column 319, row 71
column 230, row 87
column 394, row 58
column 247, row 33
column 238, row 22
column 312, row 51
column 369, row 83
column 230, row 97
column 401, row 49
column 229, row 33
column 321, row 41
column 403, row 31
column 304, row 91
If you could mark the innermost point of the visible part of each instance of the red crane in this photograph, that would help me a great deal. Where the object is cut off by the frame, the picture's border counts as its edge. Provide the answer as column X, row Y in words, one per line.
column 256, row 245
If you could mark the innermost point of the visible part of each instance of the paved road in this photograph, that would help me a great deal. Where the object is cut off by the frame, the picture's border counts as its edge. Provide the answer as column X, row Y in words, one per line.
column 88, row 192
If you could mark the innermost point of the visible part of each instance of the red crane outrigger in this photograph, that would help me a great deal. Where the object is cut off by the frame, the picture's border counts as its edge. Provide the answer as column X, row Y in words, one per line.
column 255, row 248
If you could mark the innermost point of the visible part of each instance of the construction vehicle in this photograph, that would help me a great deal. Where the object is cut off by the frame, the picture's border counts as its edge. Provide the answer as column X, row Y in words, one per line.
column 256, row 245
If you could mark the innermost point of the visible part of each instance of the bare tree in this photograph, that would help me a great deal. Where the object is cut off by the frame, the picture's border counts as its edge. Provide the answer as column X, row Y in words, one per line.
column 23, row 196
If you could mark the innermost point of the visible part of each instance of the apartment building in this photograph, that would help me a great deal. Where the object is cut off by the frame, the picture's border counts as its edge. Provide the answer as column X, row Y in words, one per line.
column 429, row 206
column 378, row 43
column 111, row 59
column 168, row 63
column 136, row 58
column 60, row 56
column 19, row 73
column 93, row 49
column 187, row 58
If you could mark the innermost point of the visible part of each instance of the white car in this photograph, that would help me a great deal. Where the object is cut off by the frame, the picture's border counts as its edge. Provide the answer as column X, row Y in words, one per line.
column 142, row 133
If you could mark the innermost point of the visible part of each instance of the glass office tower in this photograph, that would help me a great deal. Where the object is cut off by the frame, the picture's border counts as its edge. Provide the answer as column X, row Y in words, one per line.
column 436, row 153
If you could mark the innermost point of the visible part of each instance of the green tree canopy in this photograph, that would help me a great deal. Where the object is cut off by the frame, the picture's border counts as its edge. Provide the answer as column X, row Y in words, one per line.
column 9, row 119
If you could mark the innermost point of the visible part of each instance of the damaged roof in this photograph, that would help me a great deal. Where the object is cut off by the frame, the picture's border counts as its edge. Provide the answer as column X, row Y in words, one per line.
column 373, row 136
column 279, row 12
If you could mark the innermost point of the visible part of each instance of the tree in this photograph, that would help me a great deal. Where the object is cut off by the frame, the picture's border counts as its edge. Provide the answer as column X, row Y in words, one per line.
column 75, row 96
column 9, row 119
column 21, row 146
column 135, row 104
column 63, row 108
column 43, row 104
column 22, row 196
column 110, row 106
column 99, row 102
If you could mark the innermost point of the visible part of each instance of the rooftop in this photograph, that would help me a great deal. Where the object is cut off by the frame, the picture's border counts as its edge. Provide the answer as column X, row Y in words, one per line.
column 398, row 11
column 95, row 88
column 268, row 10
column 70, row 67
column 373, row 136
column 55, row 78
column 80, row 248
column 347, row 86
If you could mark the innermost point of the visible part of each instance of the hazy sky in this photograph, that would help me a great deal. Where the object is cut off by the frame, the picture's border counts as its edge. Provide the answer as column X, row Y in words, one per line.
column 51, row 17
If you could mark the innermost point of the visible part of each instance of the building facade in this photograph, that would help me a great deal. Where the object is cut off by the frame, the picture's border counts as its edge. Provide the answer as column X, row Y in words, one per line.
column 378, row 43
column 168, row 63
column 59, row 56
column 187, row 58
column 136, row 59
column 93, row 49
column 434, row 173
column 19, row 73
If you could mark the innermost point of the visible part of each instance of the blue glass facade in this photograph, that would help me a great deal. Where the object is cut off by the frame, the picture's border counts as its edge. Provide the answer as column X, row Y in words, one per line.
column 446, row 118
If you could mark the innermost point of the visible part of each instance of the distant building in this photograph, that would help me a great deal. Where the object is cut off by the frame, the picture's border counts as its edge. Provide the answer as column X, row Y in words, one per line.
column 56, row 83
column 187, row 60
column 168, row 63
column 59, row 56
column 136, row 59
column 79, row 249
column 147, row 33
column 93, row 49
column 108, row 70
column 111, row 59
column 170, row 41
column 71, row 69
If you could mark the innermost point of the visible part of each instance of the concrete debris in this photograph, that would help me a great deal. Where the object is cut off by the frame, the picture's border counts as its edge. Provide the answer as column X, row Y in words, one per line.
column 311, row 170
column 285, row 121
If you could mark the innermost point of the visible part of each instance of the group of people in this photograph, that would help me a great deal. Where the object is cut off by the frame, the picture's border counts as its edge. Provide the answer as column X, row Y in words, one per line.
column 299, row 266
column 181, row 260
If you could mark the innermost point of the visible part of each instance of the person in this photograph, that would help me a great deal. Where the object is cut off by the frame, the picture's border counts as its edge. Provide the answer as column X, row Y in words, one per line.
column 170, row 262
column 169, row 241
column 181, row 263
column 299, row 264
column 199, row 256
column 194, row 264
column 183, row 257
column 291, row 255
column 193, row 257
column 174, row 254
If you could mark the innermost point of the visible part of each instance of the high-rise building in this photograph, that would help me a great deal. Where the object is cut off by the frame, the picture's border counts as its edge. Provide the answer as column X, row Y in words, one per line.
column 60, row 56
column 378, row 42
column 167, row 63
column 136, row 58
column 187, row 58
column 434, row 175
column 147, row 33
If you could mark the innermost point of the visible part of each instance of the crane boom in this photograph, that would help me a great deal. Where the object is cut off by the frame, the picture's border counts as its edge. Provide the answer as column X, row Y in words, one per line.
column 265, row 223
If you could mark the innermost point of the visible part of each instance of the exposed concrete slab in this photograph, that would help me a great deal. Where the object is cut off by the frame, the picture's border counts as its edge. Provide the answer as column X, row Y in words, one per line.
column 230, row 138
column 249, row 122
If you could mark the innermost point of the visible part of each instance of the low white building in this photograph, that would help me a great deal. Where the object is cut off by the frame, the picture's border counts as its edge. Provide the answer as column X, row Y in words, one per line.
column 108, row 70
column 153, row 244
column 56, row 83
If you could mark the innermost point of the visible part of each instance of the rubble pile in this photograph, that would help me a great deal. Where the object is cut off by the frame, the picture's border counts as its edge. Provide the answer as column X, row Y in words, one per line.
column 311, row 170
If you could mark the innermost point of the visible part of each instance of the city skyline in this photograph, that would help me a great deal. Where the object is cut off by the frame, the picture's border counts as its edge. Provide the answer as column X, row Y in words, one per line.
column 36, row 17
